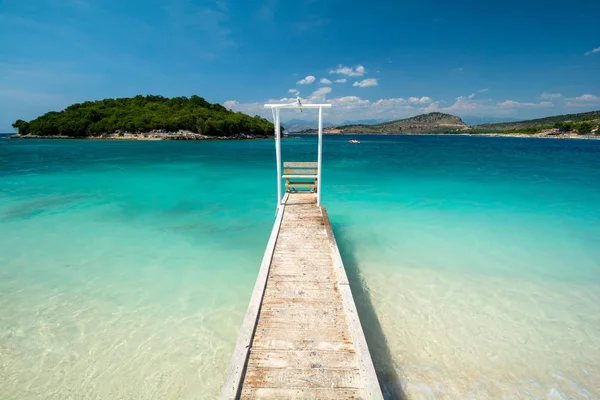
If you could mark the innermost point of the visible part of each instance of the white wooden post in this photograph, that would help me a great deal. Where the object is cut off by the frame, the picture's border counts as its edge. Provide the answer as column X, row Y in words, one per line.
column 278, row 155
column 320, row 156
column 276, row 108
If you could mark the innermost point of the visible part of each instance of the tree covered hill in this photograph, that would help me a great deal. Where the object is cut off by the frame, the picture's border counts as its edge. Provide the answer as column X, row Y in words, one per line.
column 425, row 123
column 144, row 114
column 540, row 123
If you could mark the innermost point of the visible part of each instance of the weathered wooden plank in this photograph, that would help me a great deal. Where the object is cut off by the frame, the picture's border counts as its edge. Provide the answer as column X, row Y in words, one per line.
column 301, row 200
column 302, row 394
column 309, row 272
column 291, row 259
column 305, row 340
column 297, row 359
column 300, row 188
column 300, row 176
column 303, row 378
column 292, row 164
column 232, row 384
column 303, row 171
column 308, row 344
column 304, row 303
column 301, row 278
column 367, row 369
column 305, row 285
column 307, row 182
column 295, row 291
column 301, row 185
column 301, row 311
column 324, row 332
column 334, row 322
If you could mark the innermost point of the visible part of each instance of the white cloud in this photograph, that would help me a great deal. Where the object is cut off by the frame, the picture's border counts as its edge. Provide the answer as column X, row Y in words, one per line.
column 232, row 105
column 468, row 105
column 585, row 98
column 306, row 81
column 325, row 81
column 349, row 71
column 349, row 108
column 434, row 106
column 349, row 102
column 463, row 104
column 343, row 80
column 390, row 102
column 344, row 108
column 320, row 93
column 582, row 101
column 516, row 104
column 550, row 96
column 483, row 90
column 596, row 50
column 366, row 83
column 294, row 91
column 422, row 100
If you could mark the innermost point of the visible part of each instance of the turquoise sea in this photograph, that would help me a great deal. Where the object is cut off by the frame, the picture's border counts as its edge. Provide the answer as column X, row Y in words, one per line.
column 126, row 267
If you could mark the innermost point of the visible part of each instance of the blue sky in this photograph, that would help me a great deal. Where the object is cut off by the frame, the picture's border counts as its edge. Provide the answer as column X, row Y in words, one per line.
column 391, row 59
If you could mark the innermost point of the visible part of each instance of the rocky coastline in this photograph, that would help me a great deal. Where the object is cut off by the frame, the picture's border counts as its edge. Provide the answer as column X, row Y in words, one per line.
column 146, row 136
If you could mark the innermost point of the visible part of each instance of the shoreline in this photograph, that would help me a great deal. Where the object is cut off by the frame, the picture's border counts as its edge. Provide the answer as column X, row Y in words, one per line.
column 142, row 137
column 523, row 135
column 195, row 136
column 512, row 135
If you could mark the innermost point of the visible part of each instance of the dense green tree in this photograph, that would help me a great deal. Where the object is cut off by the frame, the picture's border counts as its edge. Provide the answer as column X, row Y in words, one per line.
column 143, row 114
column 22, row 126
column 585, row 127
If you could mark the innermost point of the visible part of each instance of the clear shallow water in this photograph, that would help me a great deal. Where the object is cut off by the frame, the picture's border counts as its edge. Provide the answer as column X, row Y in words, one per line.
column 126, row 267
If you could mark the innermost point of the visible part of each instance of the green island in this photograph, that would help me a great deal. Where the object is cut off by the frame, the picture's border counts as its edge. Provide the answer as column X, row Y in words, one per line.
column 585, row 124
column 145, row 117
column 193, row 118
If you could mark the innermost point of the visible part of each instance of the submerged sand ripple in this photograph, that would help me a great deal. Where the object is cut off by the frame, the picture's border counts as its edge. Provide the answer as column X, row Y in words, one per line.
column 78, row 347
column 455, row 335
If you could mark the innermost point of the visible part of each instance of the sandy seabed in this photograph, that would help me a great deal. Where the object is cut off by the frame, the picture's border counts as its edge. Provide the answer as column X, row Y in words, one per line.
column 459, row 336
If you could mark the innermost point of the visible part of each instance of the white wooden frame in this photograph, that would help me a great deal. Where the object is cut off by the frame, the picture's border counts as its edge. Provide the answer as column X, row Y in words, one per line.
column 275, row 108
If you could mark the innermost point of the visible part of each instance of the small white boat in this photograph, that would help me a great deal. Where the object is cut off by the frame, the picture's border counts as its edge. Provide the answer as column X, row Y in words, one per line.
column 353, row 141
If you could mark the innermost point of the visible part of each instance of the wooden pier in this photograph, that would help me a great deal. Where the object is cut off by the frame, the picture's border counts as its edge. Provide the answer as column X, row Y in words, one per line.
column 301, row 337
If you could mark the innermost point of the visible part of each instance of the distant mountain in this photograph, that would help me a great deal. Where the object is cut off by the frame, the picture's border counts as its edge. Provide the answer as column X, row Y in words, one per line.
column 298, row 125
column 592, row 116
column 300, row 122
column 437, row 122
column 434, row 122
column 473, row 120
column 364, row 122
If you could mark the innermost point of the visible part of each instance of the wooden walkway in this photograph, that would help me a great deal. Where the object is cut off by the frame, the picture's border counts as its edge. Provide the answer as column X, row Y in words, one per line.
column 301, row 337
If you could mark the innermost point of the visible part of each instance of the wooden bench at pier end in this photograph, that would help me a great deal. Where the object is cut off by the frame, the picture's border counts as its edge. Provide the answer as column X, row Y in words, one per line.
column 300, row 176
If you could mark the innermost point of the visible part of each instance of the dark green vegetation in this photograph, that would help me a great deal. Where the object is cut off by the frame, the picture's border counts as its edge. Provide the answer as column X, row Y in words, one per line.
column 565, row 122
column 582, row 128
column 144, row 114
